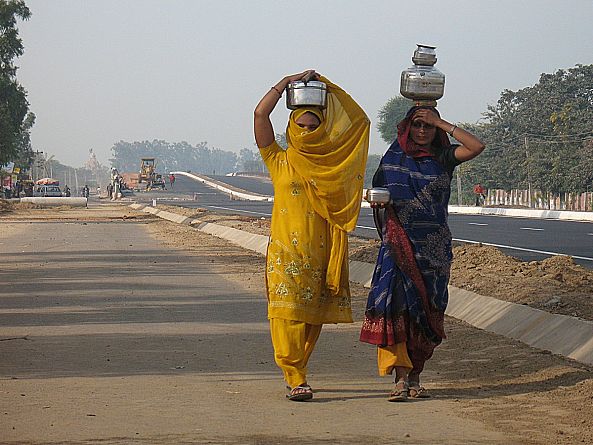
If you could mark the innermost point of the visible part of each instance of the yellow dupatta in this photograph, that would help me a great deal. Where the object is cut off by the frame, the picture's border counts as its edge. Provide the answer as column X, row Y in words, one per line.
column 332, row 160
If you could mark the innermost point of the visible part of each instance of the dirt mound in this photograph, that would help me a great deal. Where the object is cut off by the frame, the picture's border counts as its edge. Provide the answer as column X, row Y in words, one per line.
column 556, row 284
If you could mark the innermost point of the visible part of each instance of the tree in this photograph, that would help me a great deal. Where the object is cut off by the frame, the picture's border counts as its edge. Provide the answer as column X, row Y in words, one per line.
column 250, row 161
column 539, row 135
column 390, row 115
column 15, row 118
column 172, row 156
column 281, row 140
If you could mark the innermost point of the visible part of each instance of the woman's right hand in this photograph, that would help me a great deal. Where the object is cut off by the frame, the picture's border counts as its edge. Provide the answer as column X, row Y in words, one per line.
column 307, row 74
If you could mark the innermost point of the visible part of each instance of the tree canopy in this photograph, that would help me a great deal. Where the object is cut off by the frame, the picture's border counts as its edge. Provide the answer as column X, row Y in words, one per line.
column 173, row 156
column 390, row 115
column 15, row 118
column 541, row 135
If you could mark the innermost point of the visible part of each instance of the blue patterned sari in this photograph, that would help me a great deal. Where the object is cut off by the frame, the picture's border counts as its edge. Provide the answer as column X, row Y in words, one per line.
column 408, row 295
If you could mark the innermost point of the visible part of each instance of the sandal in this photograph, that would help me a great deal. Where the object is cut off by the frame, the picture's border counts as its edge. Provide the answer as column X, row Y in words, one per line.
column 399, row 393
column 418, row 392
column 300, row 393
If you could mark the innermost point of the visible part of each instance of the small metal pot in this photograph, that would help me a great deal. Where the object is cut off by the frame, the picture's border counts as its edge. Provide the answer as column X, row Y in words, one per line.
column 306, row 94
column 378, row 195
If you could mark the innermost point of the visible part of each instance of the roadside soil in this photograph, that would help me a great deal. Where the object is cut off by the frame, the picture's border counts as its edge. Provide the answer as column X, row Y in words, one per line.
column 534, row 396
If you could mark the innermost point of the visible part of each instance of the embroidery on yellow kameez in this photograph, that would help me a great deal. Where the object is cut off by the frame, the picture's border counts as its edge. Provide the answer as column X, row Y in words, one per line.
column 307, row 295
column 292, row 269
column 281, row 289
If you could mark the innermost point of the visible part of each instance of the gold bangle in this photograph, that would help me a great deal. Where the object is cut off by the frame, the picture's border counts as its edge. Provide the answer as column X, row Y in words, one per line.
column 276, row 89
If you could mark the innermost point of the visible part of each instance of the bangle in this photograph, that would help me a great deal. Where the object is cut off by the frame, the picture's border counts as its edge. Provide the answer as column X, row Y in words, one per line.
column 452, row 130
column 276, row 89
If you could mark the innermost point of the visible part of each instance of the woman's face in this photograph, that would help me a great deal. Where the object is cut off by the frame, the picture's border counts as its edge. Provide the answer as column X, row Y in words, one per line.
column 308, row 121
column 422, row 133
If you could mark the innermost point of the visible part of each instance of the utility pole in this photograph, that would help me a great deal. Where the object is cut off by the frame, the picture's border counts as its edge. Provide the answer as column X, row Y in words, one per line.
column 459, row 199
column 528, row 172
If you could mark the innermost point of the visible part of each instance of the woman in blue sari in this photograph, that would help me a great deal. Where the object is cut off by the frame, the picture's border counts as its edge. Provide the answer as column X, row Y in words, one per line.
column 408, row 297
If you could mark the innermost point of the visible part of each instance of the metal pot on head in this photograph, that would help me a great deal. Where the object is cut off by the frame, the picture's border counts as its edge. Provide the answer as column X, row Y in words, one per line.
column 312, row 93
column 422, row 82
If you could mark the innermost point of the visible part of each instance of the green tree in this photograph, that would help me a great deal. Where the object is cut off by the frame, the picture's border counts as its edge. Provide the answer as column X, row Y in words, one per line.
column 172, row 156
column 540, row 135
column 390, row 115
column 281, row 140
column 15, row 118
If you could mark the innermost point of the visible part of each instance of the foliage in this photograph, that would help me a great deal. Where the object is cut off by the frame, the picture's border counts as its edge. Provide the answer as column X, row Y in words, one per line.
column 371, row 167
column 541, row 135
column 281, row 140
column 15, row 118
column 173, row 156
column 390, row 115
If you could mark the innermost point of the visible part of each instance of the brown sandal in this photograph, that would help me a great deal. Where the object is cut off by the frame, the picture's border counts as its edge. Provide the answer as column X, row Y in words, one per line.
column 418, row 392
column 400, row 392
column 300, row 393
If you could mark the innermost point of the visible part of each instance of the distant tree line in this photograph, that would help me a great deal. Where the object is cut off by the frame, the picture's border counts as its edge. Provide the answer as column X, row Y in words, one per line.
column 183, row 156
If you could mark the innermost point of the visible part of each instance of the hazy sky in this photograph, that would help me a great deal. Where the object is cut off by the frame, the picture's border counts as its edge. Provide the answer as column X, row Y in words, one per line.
column 100, row 71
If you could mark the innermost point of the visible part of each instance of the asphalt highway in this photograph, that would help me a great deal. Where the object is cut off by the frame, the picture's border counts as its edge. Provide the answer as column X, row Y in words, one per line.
column 524, row 238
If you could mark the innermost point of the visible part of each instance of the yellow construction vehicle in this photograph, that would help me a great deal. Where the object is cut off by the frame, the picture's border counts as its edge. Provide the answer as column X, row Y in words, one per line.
column 147, row 170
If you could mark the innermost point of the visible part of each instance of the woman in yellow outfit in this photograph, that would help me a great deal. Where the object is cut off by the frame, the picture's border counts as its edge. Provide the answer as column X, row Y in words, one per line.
column 317, row 193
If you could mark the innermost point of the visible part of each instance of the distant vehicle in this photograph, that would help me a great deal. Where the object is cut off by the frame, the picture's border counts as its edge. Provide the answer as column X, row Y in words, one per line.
column 52, row 191
column 157, row 182
column 147, row 170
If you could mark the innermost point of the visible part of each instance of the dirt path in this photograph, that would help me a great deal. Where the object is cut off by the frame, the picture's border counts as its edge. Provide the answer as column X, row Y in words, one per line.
column 121, row 337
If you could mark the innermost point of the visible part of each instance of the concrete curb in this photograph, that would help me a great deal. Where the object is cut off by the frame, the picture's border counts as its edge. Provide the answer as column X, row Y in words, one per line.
column 565, row 215
column 560, row 334
column 57, row 201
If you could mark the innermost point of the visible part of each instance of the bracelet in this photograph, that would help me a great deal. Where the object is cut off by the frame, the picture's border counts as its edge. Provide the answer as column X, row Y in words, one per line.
column 276, row 89
column 452, row 130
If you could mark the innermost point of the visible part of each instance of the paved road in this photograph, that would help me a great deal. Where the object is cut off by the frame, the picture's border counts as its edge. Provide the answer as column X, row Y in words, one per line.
column 527, row 239
column 107, row 335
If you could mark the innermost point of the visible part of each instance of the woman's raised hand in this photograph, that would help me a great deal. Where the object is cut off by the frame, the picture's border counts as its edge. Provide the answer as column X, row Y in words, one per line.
column 427, row 116
column 307, row 74
column 264, row 132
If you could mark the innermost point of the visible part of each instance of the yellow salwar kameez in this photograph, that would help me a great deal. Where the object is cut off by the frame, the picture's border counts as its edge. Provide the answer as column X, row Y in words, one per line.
column 318, row 184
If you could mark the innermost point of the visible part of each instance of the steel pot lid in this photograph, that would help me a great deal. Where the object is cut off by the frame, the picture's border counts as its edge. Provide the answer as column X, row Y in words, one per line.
column 424, row 55
column 311, row 84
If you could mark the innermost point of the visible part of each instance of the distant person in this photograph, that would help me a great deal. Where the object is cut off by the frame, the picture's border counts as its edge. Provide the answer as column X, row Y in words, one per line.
column 86, row 191
column 480, row 194
column 110, row 190
column 318, row 183
column 18, row 188
column 171, row 179
column 406, row 306
column 67, row 192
